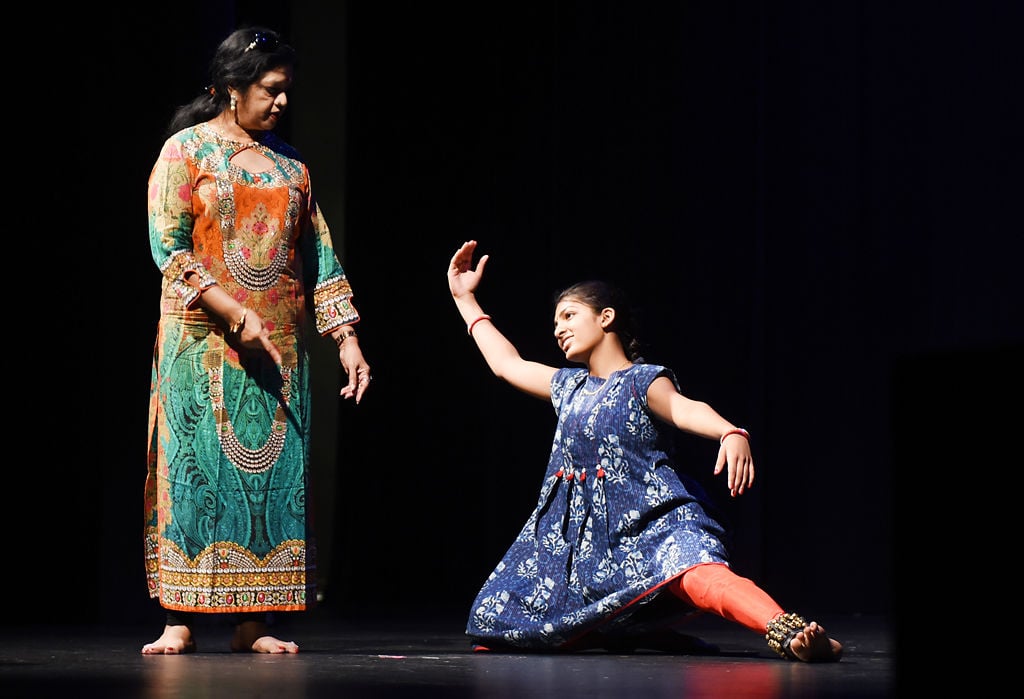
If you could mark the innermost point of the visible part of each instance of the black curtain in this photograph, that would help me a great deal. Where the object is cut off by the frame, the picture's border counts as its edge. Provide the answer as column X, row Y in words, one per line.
column 812, row 204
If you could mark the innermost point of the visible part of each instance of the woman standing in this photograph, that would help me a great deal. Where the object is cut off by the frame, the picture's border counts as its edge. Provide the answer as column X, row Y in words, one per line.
column 245, row 255
column 622, row 542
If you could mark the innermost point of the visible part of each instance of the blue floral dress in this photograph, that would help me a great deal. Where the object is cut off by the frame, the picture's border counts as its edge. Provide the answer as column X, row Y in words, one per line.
column 615, row 521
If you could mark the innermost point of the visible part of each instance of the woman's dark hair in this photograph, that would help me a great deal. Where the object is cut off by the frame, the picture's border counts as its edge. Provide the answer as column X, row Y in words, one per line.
column 599, row 295
column 240, row 60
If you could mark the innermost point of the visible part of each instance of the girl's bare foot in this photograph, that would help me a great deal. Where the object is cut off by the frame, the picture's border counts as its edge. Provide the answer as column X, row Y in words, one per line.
column 812, row 645
column 251, row 636
column 174, row 640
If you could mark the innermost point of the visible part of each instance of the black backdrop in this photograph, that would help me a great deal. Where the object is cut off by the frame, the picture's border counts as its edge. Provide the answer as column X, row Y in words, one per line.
column 812, row 203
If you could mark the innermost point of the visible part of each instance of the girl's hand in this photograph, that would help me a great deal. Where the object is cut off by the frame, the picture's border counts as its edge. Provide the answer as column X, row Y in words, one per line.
column 735, row 453
column 462, row 278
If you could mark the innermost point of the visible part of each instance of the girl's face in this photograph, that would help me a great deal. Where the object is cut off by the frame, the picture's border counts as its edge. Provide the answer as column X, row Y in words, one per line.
column 262, row 103
column 578, row 329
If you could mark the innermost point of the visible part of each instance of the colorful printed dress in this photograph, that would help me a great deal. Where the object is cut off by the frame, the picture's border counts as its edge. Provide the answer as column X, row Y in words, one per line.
column 614, row 522
column 228, row 526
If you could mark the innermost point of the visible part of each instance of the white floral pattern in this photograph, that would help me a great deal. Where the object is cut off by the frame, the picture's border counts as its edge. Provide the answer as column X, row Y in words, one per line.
column 615, row 519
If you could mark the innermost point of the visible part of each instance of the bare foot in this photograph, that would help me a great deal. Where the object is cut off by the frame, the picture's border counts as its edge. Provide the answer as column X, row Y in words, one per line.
column 174, row 640
column 251, row 636
column 269, row 644
column 812, row 645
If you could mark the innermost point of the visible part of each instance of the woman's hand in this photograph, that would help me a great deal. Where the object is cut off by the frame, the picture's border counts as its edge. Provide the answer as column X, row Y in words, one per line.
column 462, row 278
column 355, row 366
column 254, row 335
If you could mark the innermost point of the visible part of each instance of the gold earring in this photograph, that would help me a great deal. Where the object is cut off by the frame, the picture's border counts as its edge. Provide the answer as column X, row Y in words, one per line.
column 234, row 103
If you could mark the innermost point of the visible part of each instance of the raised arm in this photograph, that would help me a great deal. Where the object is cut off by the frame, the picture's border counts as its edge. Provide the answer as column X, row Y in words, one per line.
column 501, row 355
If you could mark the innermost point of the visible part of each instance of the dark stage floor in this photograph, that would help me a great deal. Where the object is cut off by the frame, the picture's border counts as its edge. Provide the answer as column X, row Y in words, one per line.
column 353, row 659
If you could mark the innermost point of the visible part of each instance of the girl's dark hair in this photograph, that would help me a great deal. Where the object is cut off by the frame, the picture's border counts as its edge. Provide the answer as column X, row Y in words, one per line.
column 240, row 60
column 599, row 295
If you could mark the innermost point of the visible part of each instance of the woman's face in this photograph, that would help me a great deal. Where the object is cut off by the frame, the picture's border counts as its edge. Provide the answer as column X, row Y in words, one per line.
column 578, row 329
column 261, row 105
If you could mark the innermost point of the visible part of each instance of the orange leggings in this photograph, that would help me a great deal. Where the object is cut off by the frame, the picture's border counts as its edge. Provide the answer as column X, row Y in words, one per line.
column 714, row 587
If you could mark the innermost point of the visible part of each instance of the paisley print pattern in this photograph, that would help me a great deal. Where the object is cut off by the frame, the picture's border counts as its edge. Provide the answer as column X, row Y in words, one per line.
column 227, row 524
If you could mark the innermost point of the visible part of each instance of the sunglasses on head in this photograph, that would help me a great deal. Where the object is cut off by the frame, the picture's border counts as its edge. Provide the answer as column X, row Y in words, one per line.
column 264, row 42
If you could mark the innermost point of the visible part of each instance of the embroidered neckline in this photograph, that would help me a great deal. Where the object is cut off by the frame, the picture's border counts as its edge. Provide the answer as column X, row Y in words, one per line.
column 221, row 139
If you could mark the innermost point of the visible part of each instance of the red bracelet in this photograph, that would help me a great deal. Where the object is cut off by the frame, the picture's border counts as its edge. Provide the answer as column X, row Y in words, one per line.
column 469, row 328
column 738, row 430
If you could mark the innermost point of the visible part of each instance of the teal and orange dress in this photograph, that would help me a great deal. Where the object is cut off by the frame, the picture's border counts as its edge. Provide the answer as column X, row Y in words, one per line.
column 228, row 521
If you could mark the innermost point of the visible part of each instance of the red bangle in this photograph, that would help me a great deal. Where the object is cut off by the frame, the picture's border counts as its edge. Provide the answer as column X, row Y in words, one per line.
column 738, row 430
column 469, row 328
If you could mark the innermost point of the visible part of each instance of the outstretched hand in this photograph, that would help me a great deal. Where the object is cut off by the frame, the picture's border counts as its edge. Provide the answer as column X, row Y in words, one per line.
column 462, row 278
